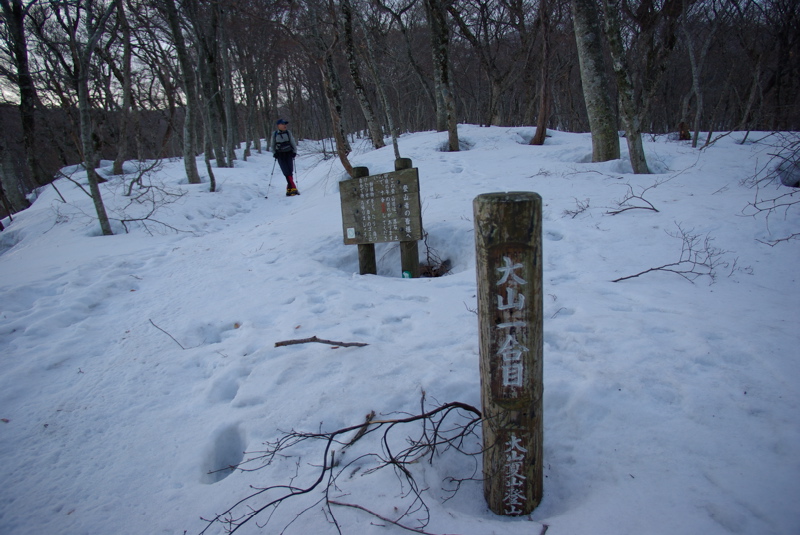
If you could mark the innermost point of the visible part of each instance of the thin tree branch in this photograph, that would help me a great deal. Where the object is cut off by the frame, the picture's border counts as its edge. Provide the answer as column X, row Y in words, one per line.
column 437, row 437
column 389, row 520
column 697, row 258
column 165, row 332
column 321, row 341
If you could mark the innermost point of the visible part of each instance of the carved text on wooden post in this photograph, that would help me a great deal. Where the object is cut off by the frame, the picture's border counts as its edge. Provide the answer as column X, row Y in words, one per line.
column 510, row 343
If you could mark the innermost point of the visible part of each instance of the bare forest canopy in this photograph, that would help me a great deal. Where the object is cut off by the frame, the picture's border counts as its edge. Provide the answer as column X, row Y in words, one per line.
column 86, row 80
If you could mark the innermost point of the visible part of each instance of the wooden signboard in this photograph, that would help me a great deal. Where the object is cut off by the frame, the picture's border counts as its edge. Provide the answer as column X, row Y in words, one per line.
column 508, row 256
column 381, row 208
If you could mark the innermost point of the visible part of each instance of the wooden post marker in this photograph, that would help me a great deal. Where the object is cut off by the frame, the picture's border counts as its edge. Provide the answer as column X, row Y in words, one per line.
column 367, row 264
column 409, row 249
column 508, row 245
column 383, row 208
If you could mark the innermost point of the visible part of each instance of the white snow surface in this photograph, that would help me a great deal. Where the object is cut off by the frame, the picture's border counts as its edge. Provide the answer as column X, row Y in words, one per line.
column 135, row 364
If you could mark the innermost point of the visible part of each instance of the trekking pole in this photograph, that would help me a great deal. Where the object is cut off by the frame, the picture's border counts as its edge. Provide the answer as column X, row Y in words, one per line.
column 270, row 178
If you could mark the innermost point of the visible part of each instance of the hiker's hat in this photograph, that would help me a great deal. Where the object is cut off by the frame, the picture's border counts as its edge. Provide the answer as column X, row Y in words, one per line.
column 282, row 121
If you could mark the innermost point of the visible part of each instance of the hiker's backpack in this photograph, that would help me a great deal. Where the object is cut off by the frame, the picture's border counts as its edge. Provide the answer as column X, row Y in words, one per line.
column 282, row 142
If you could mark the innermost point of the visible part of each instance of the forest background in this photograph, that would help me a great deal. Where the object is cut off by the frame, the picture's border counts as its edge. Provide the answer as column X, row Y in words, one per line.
column 85, row 80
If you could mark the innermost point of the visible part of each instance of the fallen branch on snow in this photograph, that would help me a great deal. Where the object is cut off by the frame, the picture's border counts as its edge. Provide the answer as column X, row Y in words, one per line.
column 321, row 341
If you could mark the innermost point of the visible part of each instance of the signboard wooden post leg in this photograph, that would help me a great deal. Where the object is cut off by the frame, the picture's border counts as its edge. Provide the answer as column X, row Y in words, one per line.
column 367, row 264
column 508, row 245
column 409, row 250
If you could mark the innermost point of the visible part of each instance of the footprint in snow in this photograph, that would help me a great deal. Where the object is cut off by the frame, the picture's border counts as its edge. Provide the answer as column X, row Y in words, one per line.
column 223, row 454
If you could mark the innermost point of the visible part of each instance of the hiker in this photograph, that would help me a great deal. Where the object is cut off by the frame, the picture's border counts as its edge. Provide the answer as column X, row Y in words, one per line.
column 284, row 149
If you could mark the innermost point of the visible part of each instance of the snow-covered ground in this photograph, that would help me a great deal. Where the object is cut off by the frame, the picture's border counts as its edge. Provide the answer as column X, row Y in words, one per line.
column 133, row 365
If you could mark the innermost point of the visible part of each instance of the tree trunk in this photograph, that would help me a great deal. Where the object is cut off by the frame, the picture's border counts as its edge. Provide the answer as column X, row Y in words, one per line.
column 544, row 95
column 333, row 95
column 495, row 91
column 361, row 93
column 188, row 83
column 208, row 71
column 212, row 114
column 249, row 87
column 333, row 92
column 698, row 97
column 627, row 98
column 84, row 110
column 209, row 150
column 14, row 14
column 13, row 193
column 4, row 200
column 127, row 97
column 387, row 106
column 755, row 94
column 226, row 81
column 697, row 60
column 440, row 46
column 453, row 144
column 595, row 82
column 438, row 98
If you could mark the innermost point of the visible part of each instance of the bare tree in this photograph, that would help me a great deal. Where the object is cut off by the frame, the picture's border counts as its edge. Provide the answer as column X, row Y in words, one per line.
column 257, row 48
column 781, row 88
column 372, row 67
column 544, row 92
column 188, row 83
column 125, row 78
column 639, row 59
column 95, row 26
column 226, row 82
column 631, row 119
column 483, row 61
column 440, row 47
column 82, row 26
column 205, row 23
column 711, row 19
column 595, row 82
column 323, row 54
column 15, row 38
column 397, row 16
column 499, row 35
column 355, row 74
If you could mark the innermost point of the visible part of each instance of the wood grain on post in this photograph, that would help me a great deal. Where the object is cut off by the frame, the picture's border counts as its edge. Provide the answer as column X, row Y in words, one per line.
column 367, row 263
column 508, row 245
column 409, row 250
